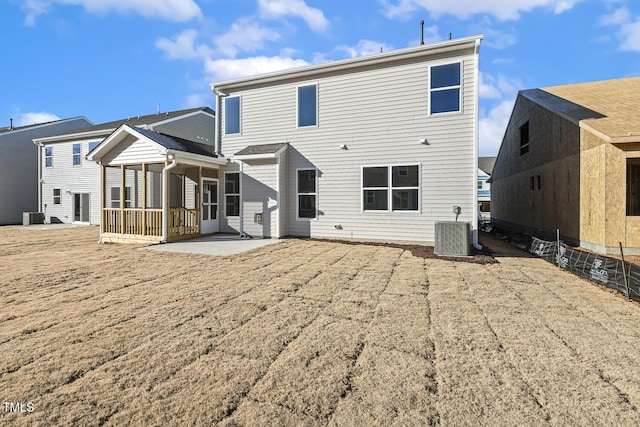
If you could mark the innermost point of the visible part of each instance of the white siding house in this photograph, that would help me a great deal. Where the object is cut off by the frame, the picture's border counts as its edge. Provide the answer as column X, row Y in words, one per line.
column 19, row 165
column 376, row 147
column 70, row 185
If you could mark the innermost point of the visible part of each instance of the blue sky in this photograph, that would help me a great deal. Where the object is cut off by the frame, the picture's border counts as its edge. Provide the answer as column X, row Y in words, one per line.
column 111, row 59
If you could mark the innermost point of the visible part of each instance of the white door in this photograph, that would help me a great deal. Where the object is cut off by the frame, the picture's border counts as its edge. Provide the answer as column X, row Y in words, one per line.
column 209, row 206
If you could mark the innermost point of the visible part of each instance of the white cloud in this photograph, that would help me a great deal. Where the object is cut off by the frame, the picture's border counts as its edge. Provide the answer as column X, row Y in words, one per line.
column 198, row 100
column 171, row 10
column 183, row 46
column 498, row 39
column 501, row 92
column 24, row 119
column 244, row 35
column 365, row 47
column 628, row 28
column 501, row 9
column 275, row 9
column 226, row 69
column 618, row 17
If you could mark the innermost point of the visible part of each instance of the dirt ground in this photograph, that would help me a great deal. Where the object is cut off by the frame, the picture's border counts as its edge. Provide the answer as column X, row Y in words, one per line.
column 305, row 333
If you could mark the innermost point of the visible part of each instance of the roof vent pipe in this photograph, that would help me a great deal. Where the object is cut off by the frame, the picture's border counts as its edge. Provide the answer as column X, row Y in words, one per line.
column 422, row 31
column 10, row 124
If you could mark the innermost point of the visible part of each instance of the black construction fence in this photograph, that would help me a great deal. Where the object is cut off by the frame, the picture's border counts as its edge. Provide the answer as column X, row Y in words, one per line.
column 604, row 270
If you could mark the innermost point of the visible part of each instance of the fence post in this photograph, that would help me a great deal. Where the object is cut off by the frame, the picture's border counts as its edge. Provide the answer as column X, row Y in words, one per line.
column 624, row 272
column 558, row 246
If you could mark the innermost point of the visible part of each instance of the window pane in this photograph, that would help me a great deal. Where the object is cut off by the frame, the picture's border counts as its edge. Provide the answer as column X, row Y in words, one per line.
column 306, row 206
column 376, row 200
column 307, row 105
column 232, row 205
column 405, row 200
column 445, row 75
column 232, row 183
column 307, row 181
column 93, row 145
column 232, row 115
column 405, row 176
column 76, row 148
column 48, row 151
column 375, row 177
column 443, row 101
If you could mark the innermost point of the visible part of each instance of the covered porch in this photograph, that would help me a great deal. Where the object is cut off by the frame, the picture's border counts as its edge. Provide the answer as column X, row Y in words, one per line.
column 156, row 188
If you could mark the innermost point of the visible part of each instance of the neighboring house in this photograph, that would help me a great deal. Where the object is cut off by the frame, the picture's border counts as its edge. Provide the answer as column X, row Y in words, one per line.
column 19, row 165
column 485, row 169
column 71, row 185
column 375, row 147
column 570, row 161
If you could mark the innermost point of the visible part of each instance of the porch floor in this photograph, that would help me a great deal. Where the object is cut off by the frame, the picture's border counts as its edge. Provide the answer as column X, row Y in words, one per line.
column 216, row 244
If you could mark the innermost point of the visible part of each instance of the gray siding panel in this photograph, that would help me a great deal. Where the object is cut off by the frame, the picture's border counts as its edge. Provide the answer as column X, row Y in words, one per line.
column 19, row 167
column 380, row 115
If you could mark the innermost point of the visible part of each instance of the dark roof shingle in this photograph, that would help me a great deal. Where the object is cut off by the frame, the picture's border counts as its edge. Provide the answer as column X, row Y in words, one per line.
column 178, row 144
column 261, row 149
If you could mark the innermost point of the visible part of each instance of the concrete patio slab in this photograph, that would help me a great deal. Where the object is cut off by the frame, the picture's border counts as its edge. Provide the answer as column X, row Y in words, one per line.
column 217, row 244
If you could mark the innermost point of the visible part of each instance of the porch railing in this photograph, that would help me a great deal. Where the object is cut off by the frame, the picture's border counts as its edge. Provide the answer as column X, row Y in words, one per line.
column 132, row 221
column 183, row 221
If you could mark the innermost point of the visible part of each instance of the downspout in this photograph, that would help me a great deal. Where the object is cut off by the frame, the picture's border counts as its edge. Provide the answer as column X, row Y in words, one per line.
column 241, row 202
column 165, row 204
column 476, row 77
column 40, row 145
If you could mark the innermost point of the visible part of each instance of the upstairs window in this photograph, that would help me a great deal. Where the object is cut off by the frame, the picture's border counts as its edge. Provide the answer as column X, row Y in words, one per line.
column 524, row 138
column 232, row 194
column 444, row 94
column 232, row 115
column 308, row 105
column 307, row 192
column 48, row 156
column 76, row 154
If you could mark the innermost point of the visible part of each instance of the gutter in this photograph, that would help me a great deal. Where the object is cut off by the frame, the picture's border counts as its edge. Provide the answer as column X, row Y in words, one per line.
column 476, row 76
column 165, row 207
column 40, row 145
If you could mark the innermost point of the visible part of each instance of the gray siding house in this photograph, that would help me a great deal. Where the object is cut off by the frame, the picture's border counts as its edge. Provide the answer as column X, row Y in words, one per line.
column 376, row 147
column 70, row 185
column 19, row 165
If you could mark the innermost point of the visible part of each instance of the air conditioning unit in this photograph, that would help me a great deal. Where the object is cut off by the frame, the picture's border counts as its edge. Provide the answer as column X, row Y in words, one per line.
column 29, row 218
column 453, row 238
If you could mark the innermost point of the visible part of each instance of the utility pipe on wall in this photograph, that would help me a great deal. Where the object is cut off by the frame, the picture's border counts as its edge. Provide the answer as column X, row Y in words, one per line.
column 165, row 198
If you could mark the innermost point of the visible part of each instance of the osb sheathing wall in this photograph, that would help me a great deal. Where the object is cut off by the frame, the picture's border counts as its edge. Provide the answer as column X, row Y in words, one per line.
column 554, row 154
column 632, row 223
column 592, row 189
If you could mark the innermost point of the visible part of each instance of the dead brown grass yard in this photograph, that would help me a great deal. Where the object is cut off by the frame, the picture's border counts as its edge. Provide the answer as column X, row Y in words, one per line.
column 305, row 333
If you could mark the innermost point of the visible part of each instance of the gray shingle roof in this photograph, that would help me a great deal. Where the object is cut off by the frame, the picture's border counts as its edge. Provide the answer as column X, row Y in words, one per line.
column 568, row 109
column 487, row 164
column 143, row 120
column 178, row 144
column 261, row 149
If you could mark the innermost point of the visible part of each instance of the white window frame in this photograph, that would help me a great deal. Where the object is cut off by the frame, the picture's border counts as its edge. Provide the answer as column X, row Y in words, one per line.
column 298, row 105
column 458, row 86
column 127, row 201
column 298, row 218
column 77, row 155
column 49, row 157
column 390, row 188
column 226, row 214
column 58, row 197
column 239, row 115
